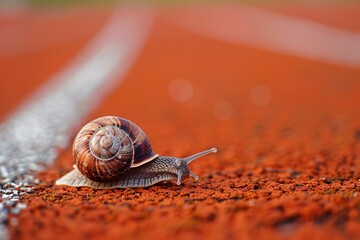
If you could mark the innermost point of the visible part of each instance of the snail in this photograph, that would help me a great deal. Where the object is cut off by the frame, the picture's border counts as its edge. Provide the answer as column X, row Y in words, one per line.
column 112, row 152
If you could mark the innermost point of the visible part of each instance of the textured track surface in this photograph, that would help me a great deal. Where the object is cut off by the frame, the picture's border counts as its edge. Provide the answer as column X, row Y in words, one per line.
column 287, row 130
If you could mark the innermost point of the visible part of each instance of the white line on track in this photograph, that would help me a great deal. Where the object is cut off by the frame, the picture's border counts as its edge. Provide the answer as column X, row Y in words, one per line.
column 43, row 124
column 34, row 132
column 274, row 32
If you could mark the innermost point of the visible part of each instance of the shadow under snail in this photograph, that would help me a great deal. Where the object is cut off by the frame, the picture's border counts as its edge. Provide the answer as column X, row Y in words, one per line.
column 112, row 152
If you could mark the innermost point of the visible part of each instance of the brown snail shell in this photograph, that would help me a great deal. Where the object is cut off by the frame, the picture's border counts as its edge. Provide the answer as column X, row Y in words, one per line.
column 107, row 147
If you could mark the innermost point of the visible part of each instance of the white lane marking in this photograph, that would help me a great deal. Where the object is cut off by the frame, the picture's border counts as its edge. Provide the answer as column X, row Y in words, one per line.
column 275, row 32
column 44, row 123
column 34, row 132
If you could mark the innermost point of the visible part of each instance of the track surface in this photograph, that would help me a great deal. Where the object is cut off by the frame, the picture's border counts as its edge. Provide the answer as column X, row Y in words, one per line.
column 287, row 130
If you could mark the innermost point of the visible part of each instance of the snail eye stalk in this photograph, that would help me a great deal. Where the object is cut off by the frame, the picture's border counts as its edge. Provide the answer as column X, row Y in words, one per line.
column 200, row 154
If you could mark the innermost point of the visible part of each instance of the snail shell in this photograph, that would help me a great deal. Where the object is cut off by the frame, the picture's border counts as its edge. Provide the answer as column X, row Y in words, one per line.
column 107, row 147
column 112, row 152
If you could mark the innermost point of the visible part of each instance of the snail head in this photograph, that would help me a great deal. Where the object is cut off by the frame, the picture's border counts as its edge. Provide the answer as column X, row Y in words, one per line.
column 182, row 165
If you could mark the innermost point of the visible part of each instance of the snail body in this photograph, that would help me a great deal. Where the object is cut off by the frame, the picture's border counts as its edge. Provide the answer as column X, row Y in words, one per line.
column 112, row 152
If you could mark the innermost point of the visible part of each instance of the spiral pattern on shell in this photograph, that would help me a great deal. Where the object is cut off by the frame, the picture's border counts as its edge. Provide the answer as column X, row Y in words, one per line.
column 107, row 147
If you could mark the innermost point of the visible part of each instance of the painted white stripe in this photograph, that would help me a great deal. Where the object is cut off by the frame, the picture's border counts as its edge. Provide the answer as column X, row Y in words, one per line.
column 275, row 32
column 44, row 123
column 33, row 134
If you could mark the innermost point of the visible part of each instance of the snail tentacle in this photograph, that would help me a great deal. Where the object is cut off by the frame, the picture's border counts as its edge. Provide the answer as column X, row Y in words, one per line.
column 196, row 177
column 191, row 158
